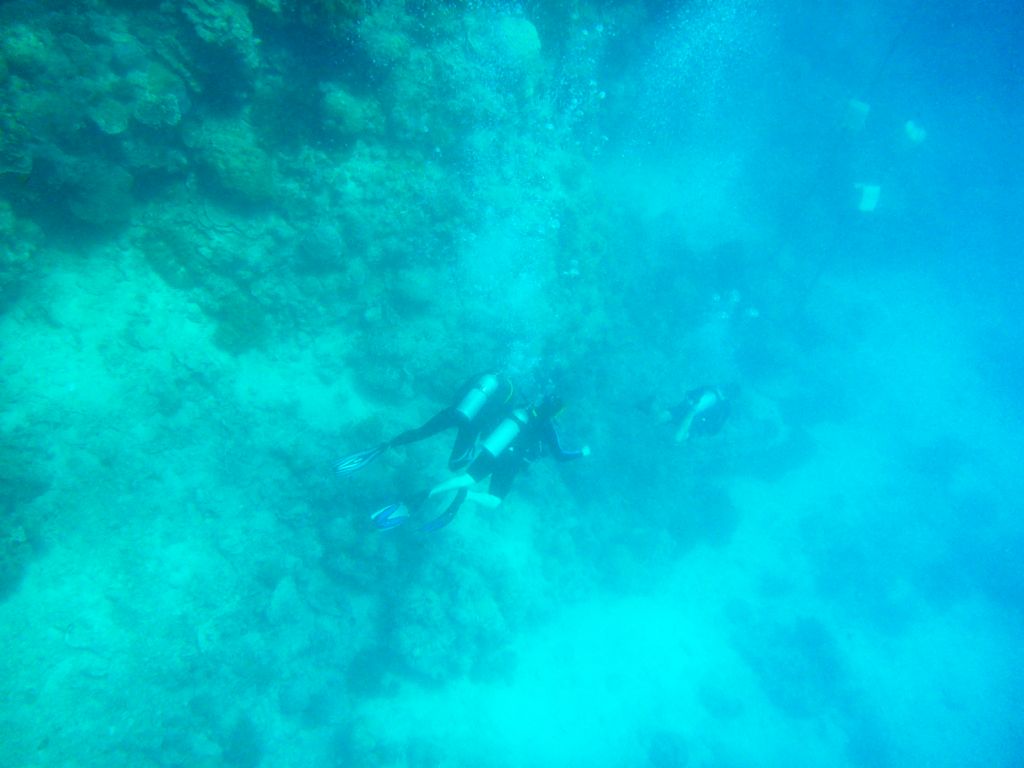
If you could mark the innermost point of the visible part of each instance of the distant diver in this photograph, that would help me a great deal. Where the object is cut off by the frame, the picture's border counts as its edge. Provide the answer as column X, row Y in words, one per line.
column 702, row 413
column 477, row 407
column 520, row 438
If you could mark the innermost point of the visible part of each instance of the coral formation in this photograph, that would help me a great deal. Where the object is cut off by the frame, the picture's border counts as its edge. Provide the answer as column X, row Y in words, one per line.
column 229, row 151
column 240, row 238
column 225, row 25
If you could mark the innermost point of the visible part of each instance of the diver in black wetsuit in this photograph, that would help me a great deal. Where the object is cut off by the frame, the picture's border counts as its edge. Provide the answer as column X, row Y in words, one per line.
column 477, row 407
column 522, row 437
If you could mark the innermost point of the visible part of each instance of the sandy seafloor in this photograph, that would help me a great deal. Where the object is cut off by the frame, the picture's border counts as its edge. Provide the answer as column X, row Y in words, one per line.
column 241, row 239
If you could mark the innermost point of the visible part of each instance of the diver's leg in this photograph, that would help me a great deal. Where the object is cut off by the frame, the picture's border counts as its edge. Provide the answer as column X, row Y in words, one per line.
column 481, row 467
column 484, row 499
column 439, row 423
column 504, row 473
column 462, row 450
column 448, row 515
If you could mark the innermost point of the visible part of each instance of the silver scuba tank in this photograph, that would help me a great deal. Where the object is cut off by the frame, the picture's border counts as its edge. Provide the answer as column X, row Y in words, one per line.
column 503, row 435
column 477, row 397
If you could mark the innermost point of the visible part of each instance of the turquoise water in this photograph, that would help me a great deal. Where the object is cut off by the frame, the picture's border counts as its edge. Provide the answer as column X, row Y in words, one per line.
column 242, row 239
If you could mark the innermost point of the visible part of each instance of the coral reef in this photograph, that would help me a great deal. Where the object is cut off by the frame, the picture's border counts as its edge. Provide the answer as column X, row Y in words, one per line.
column 240, row 238
column 226, row 27
column 229, row 152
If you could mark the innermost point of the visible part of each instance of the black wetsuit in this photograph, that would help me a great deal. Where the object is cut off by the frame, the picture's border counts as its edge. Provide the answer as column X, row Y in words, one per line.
column 468, row 429
column 537, row 438
column 707, row 422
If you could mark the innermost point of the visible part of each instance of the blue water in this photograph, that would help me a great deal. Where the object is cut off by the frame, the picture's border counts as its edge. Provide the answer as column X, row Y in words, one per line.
column 242, row 239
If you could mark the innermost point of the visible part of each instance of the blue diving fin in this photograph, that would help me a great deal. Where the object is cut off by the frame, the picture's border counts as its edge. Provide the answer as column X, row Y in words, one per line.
column 357, row 461
column 438, row 522
column 391, row 516
column 447, row 516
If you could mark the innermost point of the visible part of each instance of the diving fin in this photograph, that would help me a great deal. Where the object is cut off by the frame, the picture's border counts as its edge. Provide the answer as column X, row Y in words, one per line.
column 447, row 516
column 391, row 516
column 438, row 522
column 357, row 461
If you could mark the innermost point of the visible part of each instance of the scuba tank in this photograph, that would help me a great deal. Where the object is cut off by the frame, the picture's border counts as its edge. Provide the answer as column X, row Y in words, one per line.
column 503, row 435
column 699, row 403
column 474, row 400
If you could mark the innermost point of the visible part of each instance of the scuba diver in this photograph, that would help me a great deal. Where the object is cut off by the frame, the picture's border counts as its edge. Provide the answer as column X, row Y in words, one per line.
column 702, row 412
column 477, row 407
column 522, row 437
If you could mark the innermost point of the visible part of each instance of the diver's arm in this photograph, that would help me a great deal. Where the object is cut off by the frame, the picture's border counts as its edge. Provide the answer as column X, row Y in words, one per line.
column 550, row 438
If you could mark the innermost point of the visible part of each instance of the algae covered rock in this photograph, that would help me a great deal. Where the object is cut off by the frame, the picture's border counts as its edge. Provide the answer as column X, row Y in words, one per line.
column 171, row 253
column 15, row 146
column 512, row 40
column 383, row 36
column 19, row 241
column 26, row 51
column 241, row 322
column 15, row 553
column 229, row 152
column 110, row 116
column 321, row 248
column 156, row 110
column 226, row 26
column 22, row 479
column 347, row 115
column 159, row 97
column 102, row 193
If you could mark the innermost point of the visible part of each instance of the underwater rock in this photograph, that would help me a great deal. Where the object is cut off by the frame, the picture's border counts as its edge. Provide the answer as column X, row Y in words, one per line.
column 22, row 479
column 102, row 194
column 518, row 40
column 15, row 157
column 229, row 151
column 144, row 155
column 416, row 289
column 26, row 51
column 171, row 254
column 19, row 241
column 346, row 115
column 110, row 116
column 161, row 97
column 242, row 323
column 320, row 249
column 87, row 61
column 15, row 554
column 126, row 52
column 335, row 18
column 427, row 639
column 383, row 37
column 798, row 663
column 512, row 40
column 157, row 110
column 226, row 26
column 21, row 475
